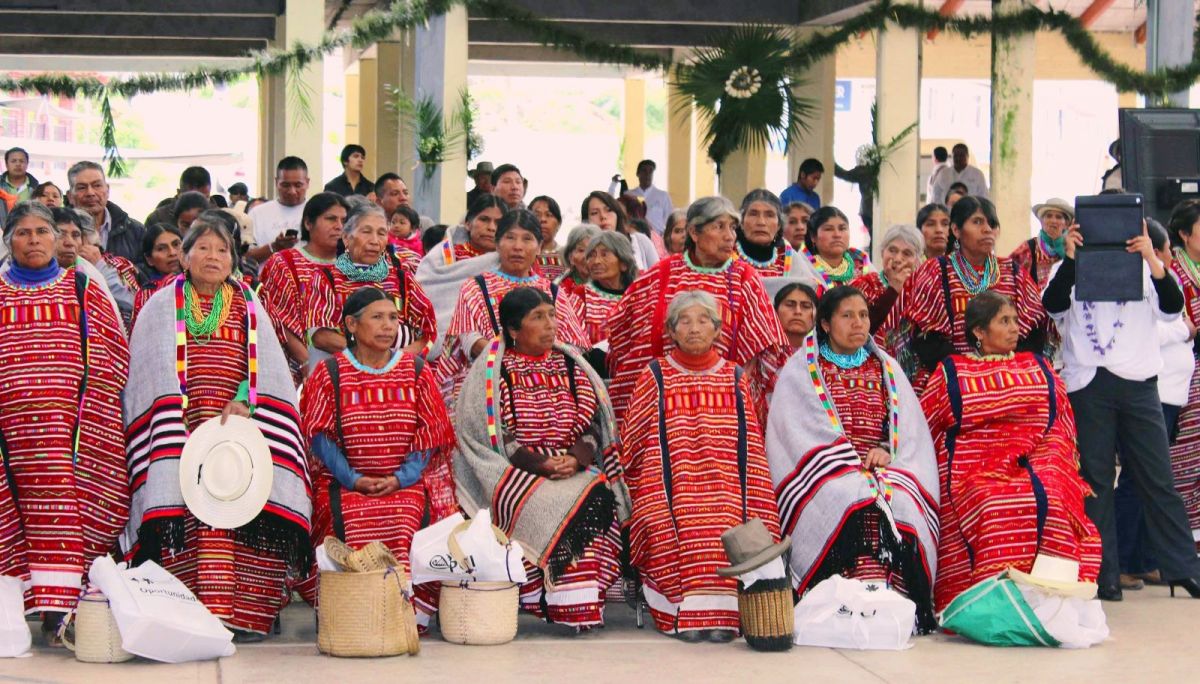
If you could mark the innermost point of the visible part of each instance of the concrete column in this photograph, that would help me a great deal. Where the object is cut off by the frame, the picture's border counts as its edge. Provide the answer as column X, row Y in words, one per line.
column 635, row 127
column 898, row 98
column 1169, row 27
column 1012, row 131
column 369, row 105
column 395, row 149
column 287, row 129
column 741, row 172
column 819, row 87
column 706, row 171
column 441, row 73
column 681, row 148
column 353, row 134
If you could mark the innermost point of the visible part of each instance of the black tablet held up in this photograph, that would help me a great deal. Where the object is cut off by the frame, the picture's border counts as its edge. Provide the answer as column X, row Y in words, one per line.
column 1104, row 271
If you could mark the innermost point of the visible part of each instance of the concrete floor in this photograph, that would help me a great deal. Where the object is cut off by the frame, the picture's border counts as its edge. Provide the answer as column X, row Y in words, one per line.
column 1154, row 638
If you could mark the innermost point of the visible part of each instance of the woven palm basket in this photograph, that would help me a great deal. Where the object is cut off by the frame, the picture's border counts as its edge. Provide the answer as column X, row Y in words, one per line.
column 478, row 613
column 97, row 639
column 766, row 614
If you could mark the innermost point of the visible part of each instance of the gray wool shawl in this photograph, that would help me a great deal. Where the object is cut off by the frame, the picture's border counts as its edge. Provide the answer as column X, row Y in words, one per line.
column 538, row 512
column 443, row 281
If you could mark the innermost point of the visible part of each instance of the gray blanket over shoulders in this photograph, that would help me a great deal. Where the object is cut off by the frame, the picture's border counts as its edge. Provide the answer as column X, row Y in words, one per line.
column 442, row 280
column 554, row 520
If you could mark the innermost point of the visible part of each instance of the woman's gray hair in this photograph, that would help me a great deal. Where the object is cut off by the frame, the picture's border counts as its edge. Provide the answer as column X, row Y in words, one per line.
column 584, row 232
column 765, row 196
column 23, row 210
column 360, row 208
column 906, row 232
column 708, row 209
column 689, row 298
column 206, row 225
column 621, row 246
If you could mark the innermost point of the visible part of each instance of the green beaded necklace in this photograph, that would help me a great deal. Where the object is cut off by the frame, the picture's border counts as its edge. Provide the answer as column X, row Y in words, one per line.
column 212, row 321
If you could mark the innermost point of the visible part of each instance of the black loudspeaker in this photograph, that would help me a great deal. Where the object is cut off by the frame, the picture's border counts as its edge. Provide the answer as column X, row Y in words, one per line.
column 1104, row 270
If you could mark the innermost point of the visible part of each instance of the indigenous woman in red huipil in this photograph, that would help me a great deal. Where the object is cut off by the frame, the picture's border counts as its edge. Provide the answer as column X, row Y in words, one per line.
column 1005, row 436
column 936, row 296
column 476, row 318
column 693, row 456
column 856, row 479
column 760, row 237
column 288, row 277
column 550, row 261
column 63, row 363
column 827, row 259
column 1185, row 449
column 796, row 307
column 205, row 349
column 160, row 252
column 749, row 325
column 903, row 248
column 537, row 447
column 374, row 418
column 612, row 267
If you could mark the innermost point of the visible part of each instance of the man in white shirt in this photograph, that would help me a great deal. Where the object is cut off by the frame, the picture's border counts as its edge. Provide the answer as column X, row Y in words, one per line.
column 959, row 172
column 1111, row 360
column 658, row 202
column 277, row 223
column 941, row 157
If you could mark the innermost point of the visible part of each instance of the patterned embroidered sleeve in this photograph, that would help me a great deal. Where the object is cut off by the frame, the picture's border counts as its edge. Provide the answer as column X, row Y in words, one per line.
column 923, row 303
column 1030, row 312
column 758, row 474
column 322, row 309
column 758, row 328
column 126, row 270
column 470, row 316
column 935, row 404
column 570, row 328
column 409, row 261
column 279, row 297
column 316, row 404
column 104, row 325
column 1022, row 256
column 434, row 430
column 639, row 430
column 421, row 315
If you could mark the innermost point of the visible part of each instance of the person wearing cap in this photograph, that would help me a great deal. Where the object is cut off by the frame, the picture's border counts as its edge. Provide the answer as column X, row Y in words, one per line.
column 708, row 264
column 63, row 364
column 1010, row 484
column 482, row 176
column 856, row 479
column 693, row 456
column 537, row 445
column 230, row 515
column 374, row 418
column 476, row 318
column 1037, row 255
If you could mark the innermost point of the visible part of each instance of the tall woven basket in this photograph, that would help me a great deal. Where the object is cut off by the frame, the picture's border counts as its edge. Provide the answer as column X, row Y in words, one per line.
column 766, row 614
column 478, row 613
column 365, row 614
column 97, row 639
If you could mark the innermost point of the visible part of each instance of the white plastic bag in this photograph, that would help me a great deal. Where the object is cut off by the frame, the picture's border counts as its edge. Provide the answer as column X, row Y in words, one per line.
column 774, row 569
column 1073, row 621
column 847, row 613
column 490, row 559
column 159, row 618
column 15, row 637
column 430, row 555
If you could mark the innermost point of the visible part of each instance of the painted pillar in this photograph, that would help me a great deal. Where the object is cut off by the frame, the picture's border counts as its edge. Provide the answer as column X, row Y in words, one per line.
column 634, row 141
column 898, row 106
column 395, row 149
column 289, row 127
column 441, row 73
column 1169, row 26
column 368, row 113
column 1012, row 131
column 819, row 88
column 352, row 109
column 681, row 148
column 743, row 171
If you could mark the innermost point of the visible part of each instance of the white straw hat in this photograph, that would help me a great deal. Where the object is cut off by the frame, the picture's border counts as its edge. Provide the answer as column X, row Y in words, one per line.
column 225, row 472
column 1056, row 575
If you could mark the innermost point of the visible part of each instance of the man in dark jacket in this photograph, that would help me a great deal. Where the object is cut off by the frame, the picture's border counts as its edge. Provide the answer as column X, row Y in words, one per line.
column 120, row 235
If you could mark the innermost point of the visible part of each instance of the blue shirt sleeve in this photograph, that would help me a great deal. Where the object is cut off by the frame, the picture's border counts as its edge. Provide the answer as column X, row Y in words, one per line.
column 334, row 460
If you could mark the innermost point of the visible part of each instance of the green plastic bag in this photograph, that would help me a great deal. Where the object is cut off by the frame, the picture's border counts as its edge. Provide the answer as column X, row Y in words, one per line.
column 994, row 613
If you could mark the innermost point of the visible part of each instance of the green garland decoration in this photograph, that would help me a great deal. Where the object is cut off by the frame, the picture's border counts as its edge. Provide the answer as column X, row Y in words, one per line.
column 744, row 92
column 378, row 25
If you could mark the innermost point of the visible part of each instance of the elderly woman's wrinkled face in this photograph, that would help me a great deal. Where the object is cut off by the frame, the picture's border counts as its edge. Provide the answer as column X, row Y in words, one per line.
column 376, row 326
column 368, row 242
column 899, row 254
column 936, row 231
column 714, row 240
column 797, row 226
column 600, row 215
column 482, row 229
column 209, row 261
column 694, row 331
column 796, row 313
column 33, row 242
column 70, row 241
column 518, row 249
column 850, row 325
column 604, row 266
column 760, row 223
column 675, row 238
column 578, row 258
column 1054, row 222
column 538, row 329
